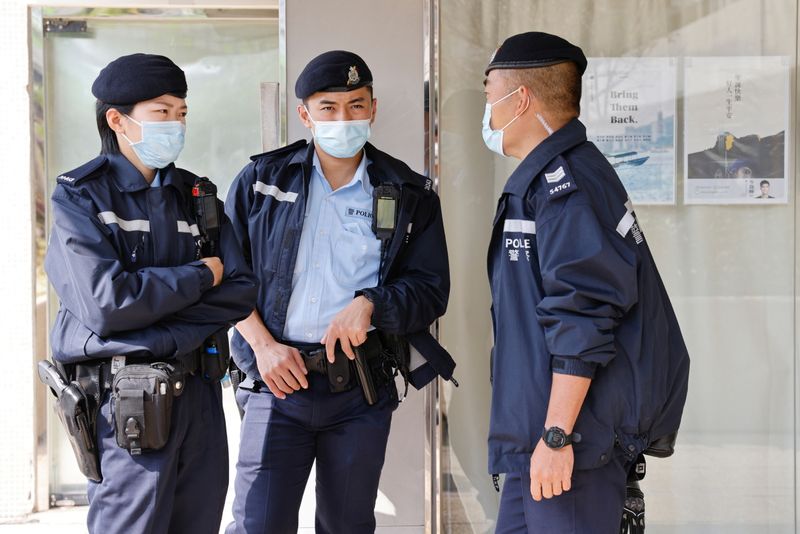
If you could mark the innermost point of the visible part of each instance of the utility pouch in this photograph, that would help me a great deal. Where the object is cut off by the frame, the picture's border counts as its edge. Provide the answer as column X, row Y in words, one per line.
column 142, row 403
column 215, row 356
column 339, row 373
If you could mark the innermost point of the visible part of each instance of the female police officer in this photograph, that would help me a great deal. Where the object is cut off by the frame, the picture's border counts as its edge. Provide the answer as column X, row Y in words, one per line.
column 123, row 259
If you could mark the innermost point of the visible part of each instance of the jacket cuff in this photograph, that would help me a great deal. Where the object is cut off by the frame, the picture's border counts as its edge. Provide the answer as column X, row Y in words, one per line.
column 371, row 295
column 573, row 366
column 206, row 275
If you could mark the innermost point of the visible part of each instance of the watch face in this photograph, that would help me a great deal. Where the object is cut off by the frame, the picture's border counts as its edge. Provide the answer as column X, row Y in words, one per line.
column 555, row 438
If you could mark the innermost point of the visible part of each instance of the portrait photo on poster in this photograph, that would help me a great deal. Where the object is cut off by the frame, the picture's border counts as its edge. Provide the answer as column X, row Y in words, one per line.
column 736, row 112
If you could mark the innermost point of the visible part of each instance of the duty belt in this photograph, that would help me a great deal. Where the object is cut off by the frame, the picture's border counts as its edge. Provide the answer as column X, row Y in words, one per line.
column 316, row 359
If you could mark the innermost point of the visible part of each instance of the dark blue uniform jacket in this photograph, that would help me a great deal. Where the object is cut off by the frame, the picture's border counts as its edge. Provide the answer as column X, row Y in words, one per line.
column 575, row 290
column 267, row 204
column 122, row 258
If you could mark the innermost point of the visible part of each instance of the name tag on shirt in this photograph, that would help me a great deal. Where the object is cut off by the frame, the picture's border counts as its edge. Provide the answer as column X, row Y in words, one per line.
column 358, row 213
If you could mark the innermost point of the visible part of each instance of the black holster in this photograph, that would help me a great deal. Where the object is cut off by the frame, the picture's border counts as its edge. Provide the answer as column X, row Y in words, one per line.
column 78, row 413
column 143, row 395
column 76, row 405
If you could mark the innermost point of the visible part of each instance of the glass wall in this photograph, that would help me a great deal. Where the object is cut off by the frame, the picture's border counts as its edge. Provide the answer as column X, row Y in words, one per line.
column 728, row 261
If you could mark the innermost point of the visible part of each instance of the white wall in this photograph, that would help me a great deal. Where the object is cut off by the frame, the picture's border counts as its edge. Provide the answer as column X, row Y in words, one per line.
column 16, row 268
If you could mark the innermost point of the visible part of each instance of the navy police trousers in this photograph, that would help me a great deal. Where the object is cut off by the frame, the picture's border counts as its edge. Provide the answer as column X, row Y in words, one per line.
column 592, row 506
column 280, row 440
column 179, row 488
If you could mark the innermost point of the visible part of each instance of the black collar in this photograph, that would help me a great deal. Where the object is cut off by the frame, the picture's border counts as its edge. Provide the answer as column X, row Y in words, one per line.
column 382, row 167
column 128, row 179
column 570, row 135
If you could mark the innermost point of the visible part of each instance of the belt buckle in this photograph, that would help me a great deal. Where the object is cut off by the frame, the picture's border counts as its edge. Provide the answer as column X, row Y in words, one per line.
column 314, row 353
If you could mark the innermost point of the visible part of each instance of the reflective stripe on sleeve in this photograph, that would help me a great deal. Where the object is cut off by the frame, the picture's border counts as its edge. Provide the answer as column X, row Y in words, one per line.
column 272, row 191
column 627, row 220
column 521, row 226
column 136, row 225
column 184, row 228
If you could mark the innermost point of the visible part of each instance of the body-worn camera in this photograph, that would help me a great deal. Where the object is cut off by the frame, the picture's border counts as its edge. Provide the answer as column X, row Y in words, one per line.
column 385, row 198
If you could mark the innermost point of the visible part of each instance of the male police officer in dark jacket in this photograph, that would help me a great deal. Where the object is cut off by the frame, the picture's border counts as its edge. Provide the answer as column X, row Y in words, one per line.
column 589, row 366
column 337, row 276
column 124, row 260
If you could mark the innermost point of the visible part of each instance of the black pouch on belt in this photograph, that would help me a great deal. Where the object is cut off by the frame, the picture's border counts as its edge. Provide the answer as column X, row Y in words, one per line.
column 215, row 356
column 142, row 397
column 339, row 372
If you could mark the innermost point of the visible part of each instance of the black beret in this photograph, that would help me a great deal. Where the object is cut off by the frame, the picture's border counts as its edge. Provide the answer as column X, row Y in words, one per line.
column 535, row 49
column 138, row 77
column 335, row 71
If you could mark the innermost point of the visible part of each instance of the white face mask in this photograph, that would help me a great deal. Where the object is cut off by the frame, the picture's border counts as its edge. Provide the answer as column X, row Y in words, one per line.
column 341, row 139
column 494, row 138
column 161, row 144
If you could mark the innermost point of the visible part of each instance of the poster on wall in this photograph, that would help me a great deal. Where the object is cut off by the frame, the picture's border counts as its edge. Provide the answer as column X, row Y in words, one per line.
column 736, row 118
column 628, row 106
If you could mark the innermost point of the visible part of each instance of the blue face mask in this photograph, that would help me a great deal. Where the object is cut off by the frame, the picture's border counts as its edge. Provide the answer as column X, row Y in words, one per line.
column 494, row 138
column 161, row 144
column 341, row 139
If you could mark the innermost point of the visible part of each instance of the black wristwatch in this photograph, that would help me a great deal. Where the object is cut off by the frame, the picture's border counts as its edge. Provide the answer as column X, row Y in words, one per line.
column 555, row 437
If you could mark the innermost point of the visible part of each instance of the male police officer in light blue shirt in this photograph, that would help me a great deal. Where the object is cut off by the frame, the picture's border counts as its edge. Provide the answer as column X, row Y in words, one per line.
column 341, row 216
column 337, row 277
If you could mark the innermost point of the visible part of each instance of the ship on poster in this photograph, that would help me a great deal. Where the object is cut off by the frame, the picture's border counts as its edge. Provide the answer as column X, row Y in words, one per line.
column 628, row 106
column 736, row 119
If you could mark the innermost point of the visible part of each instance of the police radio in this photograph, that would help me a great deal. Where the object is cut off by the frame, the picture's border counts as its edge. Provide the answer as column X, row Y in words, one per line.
column 215, row 351
column 206, row 213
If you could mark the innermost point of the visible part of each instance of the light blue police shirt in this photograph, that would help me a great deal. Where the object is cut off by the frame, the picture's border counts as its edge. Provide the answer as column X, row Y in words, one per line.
column 157, row 180
column 338, row 253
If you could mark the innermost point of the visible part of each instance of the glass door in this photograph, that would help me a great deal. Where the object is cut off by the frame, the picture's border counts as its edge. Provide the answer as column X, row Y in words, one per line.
column 226, row 53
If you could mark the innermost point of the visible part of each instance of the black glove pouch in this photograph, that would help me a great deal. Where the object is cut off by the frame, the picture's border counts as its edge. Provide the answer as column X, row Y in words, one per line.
column 142, row 405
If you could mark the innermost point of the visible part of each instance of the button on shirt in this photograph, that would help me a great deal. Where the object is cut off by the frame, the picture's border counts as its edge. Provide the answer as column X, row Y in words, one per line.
column 338, row 253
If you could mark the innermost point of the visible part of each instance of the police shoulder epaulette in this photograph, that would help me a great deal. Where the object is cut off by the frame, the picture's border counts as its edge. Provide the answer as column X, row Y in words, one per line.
column 82, row 173
column 281, row 151
column 558, row 179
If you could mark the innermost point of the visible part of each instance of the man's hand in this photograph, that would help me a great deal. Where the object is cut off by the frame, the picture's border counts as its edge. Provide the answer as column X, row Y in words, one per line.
column 349, row 327
column 216, row 266
column 281, row 368
column 551, row 471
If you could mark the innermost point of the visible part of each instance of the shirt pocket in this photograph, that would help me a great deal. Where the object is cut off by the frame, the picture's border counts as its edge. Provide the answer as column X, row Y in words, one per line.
column 356, row 258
